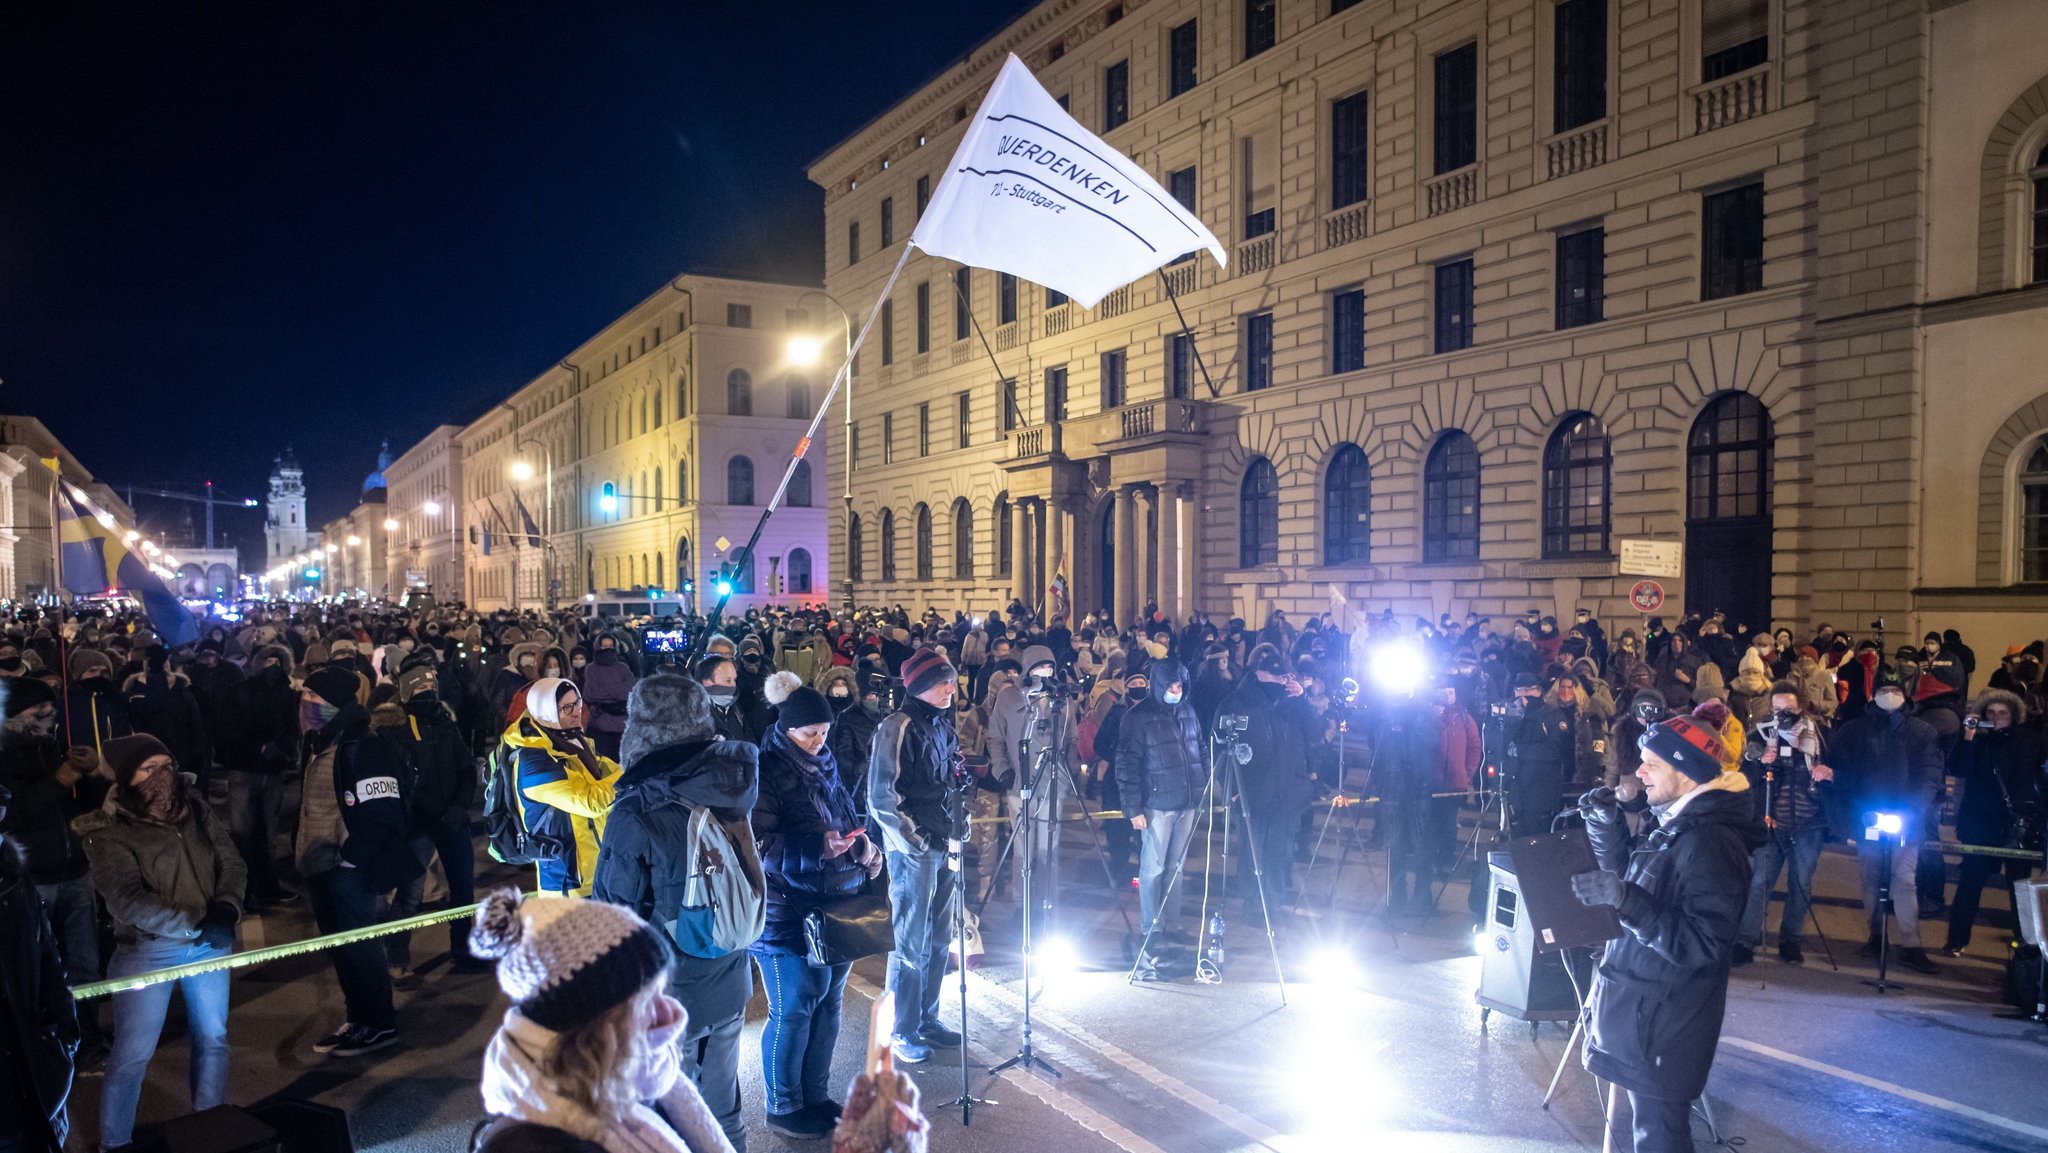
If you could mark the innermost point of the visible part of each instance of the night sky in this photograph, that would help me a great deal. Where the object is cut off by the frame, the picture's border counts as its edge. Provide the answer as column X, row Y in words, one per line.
column 226, row 227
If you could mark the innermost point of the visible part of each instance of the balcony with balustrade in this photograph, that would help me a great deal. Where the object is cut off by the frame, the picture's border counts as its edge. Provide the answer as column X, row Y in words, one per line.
column 1731, row 99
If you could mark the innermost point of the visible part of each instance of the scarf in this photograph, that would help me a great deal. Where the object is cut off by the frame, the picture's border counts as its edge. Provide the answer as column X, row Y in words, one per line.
column 514, row 1087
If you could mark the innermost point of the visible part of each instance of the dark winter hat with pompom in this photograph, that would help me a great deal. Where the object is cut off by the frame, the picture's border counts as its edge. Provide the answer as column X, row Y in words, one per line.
column 796, row 704
column 565, row 961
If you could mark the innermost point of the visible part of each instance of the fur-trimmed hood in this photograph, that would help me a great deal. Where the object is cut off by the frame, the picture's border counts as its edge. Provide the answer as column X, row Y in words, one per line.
column 2012, row 700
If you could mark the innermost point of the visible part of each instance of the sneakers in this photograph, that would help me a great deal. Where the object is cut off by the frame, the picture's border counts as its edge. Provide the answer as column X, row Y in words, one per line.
column 1744, row 955
column 336, row 1039
column 806, row 1124
column 1918, row 961
column 363, row 1039
column 1869, row 949
column 937, row 1036
column 909, row 1051
column 1952, row 951
column 1790, row 953
column 828, row 1108
column 403, row 979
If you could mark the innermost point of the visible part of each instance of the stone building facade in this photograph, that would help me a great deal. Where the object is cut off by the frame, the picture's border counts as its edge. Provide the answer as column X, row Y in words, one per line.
column 1513, row 281
column 424, row 548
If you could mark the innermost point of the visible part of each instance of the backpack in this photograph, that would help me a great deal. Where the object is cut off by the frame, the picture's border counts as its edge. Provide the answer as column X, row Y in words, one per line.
column 724, row 905
column 504, row 815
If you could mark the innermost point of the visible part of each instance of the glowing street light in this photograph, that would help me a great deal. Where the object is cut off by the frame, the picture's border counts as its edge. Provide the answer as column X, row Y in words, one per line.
column 331, row 550
column 132, row 536
column 354, row 540
column 608, row 498
column 521, row 470
column 805, row 350
column 431, row 508
column 390, row 524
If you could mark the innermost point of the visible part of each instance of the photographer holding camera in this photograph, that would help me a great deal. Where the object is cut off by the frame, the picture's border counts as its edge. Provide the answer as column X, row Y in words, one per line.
column 1278, row 728
column 1999, row 765
column 1787, row 757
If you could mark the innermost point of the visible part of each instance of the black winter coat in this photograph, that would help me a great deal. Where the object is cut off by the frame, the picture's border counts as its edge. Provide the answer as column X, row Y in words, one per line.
column 1159, row 756
column 39, row 818
column 446, row 781
column 1887, row 761
column 852, row 742
column 801, row 798
column 38, row 1019
column 908, row 774
column 1277, row 782
column 1662, row 988
column 261, row 729
column 2010, row 757
column 92, row 713
column 642, row 866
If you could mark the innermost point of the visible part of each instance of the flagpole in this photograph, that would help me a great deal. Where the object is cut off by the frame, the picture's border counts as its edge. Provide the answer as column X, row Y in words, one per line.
column 1193, row 351
column 744, row 557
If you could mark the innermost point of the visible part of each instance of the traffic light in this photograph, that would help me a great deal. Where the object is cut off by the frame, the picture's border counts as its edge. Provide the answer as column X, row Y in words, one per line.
column 689, row 586
column 608, row 497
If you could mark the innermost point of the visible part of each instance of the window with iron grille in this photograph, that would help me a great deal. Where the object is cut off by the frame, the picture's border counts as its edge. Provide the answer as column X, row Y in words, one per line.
column 1347, row 329
column 1578, row 466
column 1450, row 500
column 1256, row 338
column 1116, row 95
column 1579, row 86
column 1457, row 109
column 1347, row 507
column 1732, row 241
column 1181, row 49
column 1349, row 169
column 1581, row 277
column 1454, row 305
column 1258, row 510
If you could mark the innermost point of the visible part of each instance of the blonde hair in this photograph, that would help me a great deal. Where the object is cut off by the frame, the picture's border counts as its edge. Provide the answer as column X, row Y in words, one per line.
column 584, row 1062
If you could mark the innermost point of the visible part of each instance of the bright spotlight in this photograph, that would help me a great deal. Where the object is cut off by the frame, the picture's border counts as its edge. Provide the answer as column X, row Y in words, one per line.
column 1055, row 957
column 390, row 524
column 804, row 350
column 1399, row 668
column 354, row 540
column 1885, row 825
column 1333, row 965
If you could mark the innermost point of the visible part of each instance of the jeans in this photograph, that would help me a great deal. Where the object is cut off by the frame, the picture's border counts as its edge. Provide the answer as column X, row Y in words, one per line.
column 1896, row 861
column 1661, row 1125
column 1962, row 912
column 74, row 920
column 139, row 1025
column 341, row 900
column 255, row 814
column 711, row 1060
column 921, row 891
column 1160, row 855
column 1800, row 853
column 449, row 837
column 1272, row 839
column 802, row 1029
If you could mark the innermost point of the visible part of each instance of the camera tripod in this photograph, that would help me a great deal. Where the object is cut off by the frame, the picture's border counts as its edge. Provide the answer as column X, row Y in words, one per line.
column 1884, row 918
column 956, row 817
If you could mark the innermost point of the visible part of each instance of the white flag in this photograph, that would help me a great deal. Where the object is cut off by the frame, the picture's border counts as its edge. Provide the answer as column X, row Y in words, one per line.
column 1032, row 193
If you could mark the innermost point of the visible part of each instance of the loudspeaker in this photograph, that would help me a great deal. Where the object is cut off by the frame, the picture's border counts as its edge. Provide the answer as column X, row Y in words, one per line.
column 1513, row 977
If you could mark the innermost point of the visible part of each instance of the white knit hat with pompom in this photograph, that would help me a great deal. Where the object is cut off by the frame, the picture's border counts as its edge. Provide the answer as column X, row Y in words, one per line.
column 565, row 961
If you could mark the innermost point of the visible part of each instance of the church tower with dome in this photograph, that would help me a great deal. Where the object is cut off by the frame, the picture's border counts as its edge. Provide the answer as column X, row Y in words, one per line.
column 285, row 532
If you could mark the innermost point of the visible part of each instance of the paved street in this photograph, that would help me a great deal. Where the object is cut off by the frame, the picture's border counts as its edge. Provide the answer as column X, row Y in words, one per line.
column 1392, row 1056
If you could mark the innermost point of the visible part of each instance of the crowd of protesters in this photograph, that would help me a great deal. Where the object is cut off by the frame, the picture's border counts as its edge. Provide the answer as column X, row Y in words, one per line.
column 336, row 754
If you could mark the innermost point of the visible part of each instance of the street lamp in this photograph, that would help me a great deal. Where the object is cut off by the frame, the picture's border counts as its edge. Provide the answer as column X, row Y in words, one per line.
column 431, row 508
column 802, row 347
column 354, row 540
column 390, row 524
column 805, row 350
column 521, row 470
column 520, row 444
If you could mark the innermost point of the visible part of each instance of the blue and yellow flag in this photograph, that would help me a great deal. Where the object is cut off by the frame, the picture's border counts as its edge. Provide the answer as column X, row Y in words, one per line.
column 96, row 560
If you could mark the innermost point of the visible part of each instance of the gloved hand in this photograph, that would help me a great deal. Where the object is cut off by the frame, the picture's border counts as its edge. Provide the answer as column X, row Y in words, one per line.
column 217, row 927
column 1600, row 807
column 1599, row 887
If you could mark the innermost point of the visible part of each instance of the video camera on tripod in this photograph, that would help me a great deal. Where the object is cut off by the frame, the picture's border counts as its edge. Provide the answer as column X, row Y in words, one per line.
column 1229, row 732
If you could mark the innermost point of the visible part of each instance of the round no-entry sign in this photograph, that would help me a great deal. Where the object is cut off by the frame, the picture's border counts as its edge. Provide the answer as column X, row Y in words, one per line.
column 1646, row 596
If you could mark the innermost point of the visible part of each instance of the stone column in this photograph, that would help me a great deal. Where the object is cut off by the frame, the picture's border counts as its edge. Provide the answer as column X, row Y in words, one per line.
column 1126, row 556
column 1142, row 558
column 1168, row 555
column 1188, row 515
column 1020, row 571
column 1055, row 544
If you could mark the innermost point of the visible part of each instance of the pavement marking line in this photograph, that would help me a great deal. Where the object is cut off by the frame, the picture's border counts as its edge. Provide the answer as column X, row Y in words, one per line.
column 1914, row 1095
column 1147, row 1072
column 1060, row 1101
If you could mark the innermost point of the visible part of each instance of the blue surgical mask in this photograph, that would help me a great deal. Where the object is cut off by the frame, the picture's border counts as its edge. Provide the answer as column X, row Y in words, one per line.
column 1172, row 698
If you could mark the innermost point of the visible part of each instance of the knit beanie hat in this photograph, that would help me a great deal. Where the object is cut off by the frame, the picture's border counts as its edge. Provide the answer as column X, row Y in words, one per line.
column 566, row 961
column 925, row 670
column 316, row 654
column 411, row 679
column 84, row 659
column 796, row 704
column 334, row 684
column 25, row 693
column 1687, row 746
column 124, row 755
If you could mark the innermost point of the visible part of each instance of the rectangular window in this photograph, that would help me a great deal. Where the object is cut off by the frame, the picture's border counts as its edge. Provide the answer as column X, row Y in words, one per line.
column 1180, row 184
column 1006, row 298
column 1113, row 380
column 853, row 445
column 853, row 242
column 1337, row 6
column 1258, row 189
column 1348, row 168
column 1732, row 241
column 1457, row 109
column 1010, row 404
column 1579, row 88
column 1181, row 48
column 1261, row 28
column 888, row 438
column 1116, row 95
column 1347, row 329
column 1054, row 298
column 1581, row 277
column 1734, row 37
column 739, row 316
column 1454, row 305
column 924, row 317
column 888, row 221
column 962, row 412
column 924, row 429
column 1255, row 335
column 1180, row 366
column 1055, row 394
column 888, row 327
column 963, row 292
column 924, row 194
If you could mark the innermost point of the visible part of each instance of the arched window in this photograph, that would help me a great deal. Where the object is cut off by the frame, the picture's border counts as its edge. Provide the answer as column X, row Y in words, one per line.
column 742, row 576
column 739, row 480
column 1578, row 465
column 963, row 540
column 659, row 563
column 1002, row 526
column 657, row 407
column 856, row 566
column 888, row 545
column 682, row 395
column 660, row 494
column 799, row 393
column 924, row 542
column 800, row 485
column 2039, row 262
column 2033, row 505
column 1258, row 511
column 1347, row 507
column 739, row 393
column 1727, row 461
column 799, row 565
column 1450, row 500
column 683, row 479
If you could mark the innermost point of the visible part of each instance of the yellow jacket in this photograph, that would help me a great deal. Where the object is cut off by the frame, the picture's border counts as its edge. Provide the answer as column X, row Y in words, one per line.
column 564, row 804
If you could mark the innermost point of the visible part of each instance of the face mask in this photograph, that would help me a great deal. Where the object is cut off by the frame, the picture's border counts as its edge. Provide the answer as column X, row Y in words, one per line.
column 1172, row 698
column 1890, row 702
column 10, row 664
column 1787, row 720
column 721, row 695
column 31, row 725
column 842, row 695
column 578, row 662
column 526, row 669
column 873, row 706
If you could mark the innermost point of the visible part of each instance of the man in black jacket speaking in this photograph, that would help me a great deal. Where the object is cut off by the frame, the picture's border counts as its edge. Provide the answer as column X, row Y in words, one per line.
column 1662, row 986
column 1161, row 781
